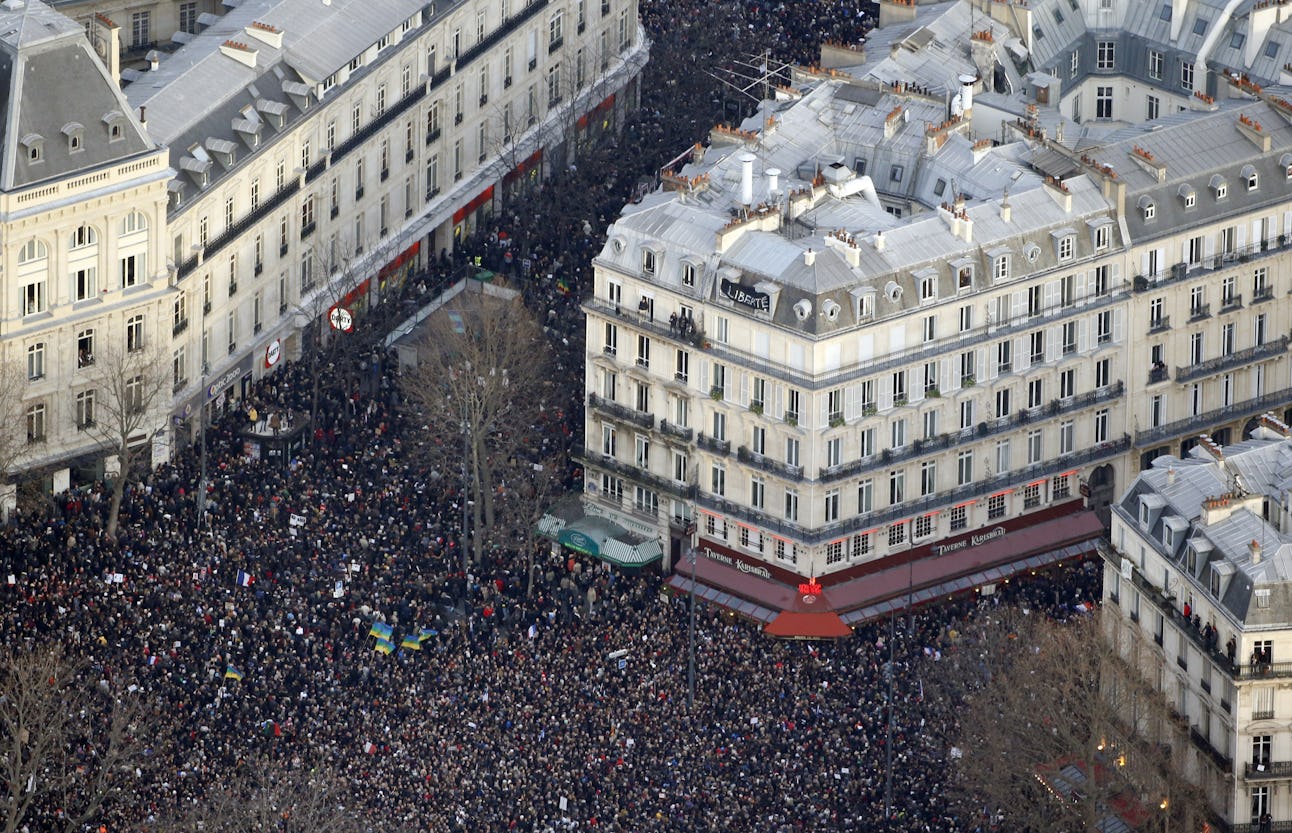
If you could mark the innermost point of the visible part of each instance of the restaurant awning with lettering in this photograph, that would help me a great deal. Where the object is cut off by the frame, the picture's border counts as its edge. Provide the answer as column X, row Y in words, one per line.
column 953, row 571
column 979, row 558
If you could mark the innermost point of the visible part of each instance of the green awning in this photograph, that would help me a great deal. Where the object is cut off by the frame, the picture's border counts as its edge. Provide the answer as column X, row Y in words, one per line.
column 569, row 525
column 587, row 542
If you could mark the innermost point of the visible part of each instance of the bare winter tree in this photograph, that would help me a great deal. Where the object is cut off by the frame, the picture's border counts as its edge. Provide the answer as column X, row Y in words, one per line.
column 67, row 740
column 266, row 794
column 135, row 387
column 15, row 444
column 329, row 272
column 1058, row 727
column 480, row 392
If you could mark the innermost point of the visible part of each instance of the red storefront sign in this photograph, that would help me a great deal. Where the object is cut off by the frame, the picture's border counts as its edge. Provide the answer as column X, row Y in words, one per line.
column 481, row 199
column 531, row 163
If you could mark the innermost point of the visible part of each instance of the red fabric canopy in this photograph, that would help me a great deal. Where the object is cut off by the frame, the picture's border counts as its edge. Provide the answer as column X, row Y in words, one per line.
column 820, row 625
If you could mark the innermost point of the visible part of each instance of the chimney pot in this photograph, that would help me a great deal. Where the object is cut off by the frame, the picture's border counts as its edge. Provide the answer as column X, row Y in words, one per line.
column 747, row 178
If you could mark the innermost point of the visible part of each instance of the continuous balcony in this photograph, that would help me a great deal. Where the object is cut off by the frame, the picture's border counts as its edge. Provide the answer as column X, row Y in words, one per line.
column 676, row 431
column 919, row 448
column 767, row 464
column 614, row 409
column 710, row 444
column 482, row 47
column 1220, row 364
column 233, row 232
column 934, row 350
column 1234, row 669
column 1267, row 771
column 1228, row 260
column 639, row 474
column 367, row 132
column 985, row 486
column 1202, row 423
column 1160, row 324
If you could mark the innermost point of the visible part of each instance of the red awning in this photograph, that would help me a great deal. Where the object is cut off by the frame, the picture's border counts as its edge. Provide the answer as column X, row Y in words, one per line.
column 1014, row 546
column 820, row 625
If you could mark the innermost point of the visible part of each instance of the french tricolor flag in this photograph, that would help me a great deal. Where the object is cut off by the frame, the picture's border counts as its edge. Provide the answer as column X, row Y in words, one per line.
column 245, row 579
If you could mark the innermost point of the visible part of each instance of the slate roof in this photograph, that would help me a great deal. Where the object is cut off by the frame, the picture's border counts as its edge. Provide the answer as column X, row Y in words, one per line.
column 55, row 88
column 317, row 40
column 1174, row 489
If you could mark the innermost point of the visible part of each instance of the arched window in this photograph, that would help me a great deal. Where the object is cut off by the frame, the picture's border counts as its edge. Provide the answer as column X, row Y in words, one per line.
column 82, row 237
column 33, row 250
column 133, row 222
column 33, row 275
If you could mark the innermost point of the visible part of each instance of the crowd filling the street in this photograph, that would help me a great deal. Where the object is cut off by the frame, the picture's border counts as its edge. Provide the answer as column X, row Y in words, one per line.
column 315, row 613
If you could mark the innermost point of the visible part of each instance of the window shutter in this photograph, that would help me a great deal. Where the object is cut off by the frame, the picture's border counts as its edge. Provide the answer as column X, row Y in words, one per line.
column 744, row 388
column 1053, row 343
column 1143, row 265
column 986, row 362
column 1052, row 296
column 704, row 377
column 824, row 401
column 1022, row 354
column 852, row 402
column 885, row 393
column 1240, row 235
column 1081, row 289
column 1017, row 305
column 1083, row 336
column 1115, row 276
column 778, row 402
column 1208, row 247
column 1119, row 325
column 866, row 346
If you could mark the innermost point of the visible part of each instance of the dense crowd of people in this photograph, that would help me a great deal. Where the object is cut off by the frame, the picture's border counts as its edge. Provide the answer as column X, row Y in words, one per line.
column 502, row 698
column 248, row 635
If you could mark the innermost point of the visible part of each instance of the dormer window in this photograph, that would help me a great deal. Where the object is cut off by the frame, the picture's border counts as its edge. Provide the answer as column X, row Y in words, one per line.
column 1188, row 195
column 648, row 262
column 75, row 134
column 999, row 264
column 1249, row 176
column 1219, row 186
column 115, row 123
column 1067, row 247
column 1285, row 162
column 1214, row 580
column 1147, row 208
column 35, row 146
column 964, row 275
column 688, row 274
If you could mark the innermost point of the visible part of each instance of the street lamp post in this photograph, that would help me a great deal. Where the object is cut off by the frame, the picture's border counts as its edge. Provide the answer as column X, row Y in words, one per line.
column 466, row 491
column 690, row 665
column 201, row 417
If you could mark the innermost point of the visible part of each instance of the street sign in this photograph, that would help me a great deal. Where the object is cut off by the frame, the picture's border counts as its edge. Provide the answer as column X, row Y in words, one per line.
column 341, row 319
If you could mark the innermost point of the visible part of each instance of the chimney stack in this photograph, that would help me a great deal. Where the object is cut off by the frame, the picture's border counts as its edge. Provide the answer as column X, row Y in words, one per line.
column 879, row 241
column 809, row 257
column 966, row 94
column 143, row 116
column 1170, row 476
column 773, row 180
column 747, row 178
column 1255, row 549
column 1005, row 211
